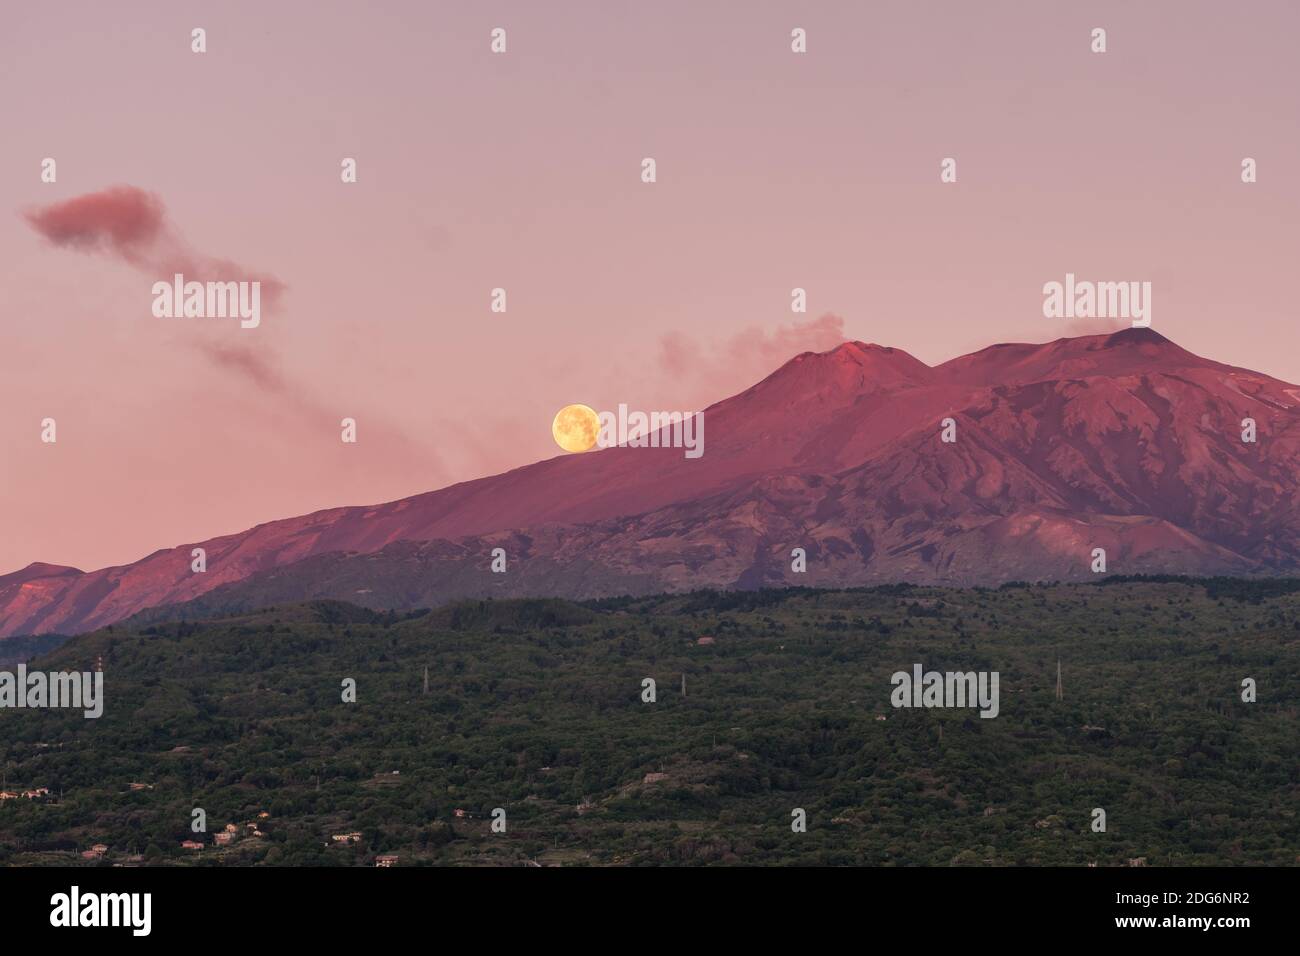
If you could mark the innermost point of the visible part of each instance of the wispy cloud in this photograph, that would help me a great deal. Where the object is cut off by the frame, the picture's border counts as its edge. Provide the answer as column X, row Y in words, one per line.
column 130, row 224
column 253, row 366
column 717, row 369
column 1098, row 326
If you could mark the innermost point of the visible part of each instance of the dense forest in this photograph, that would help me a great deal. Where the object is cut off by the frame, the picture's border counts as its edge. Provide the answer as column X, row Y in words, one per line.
column 536, row 708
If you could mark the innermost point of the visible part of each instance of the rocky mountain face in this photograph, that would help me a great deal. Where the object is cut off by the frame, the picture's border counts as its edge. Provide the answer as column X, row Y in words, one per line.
column 1124, row 442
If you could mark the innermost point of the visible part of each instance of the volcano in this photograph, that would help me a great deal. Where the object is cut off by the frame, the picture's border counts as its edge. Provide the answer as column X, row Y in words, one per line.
column 1124, row 442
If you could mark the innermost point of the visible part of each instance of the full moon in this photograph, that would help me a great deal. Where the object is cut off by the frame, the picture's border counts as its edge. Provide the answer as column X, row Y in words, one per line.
column 575, row 427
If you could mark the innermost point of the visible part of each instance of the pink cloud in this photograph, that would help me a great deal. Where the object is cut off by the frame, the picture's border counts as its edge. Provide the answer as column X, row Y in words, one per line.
column 120, row 220
column 718, row 369
column 1096, row 326
column 130, row 224
column 253, row 366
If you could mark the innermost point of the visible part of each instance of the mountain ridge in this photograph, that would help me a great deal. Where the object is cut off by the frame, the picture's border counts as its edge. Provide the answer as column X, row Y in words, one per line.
column 1123, row 439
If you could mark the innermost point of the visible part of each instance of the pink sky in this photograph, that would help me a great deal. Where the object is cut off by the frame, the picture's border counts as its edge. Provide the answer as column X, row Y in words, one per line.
column 521, row 170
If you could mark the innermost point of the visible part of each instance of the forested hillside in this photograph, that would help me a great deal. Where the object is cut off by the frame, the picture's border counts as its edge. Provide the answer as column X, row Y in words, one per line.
column 536, row 707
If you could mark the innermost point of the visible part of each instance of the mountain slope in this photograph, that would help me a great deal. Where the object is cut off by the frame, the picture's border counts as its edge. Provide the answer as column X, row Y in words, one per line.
column 1125, row 441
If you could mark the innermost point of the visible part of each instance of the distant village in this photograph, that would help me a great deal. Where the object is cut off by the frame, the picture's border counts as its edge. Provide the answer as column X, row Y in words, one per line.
column 231, row 834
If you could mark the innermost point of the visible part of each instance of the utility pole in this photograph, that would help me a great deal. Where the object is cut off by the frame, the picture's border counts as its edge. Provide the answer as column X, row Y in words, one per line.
column 426, row 679
column 683, row 685
column 1059, row 694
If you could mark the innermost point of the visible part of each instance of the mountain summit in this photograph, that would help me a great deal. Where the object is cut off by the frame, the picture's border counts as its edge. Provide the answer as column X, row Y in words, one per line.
column 1125, row 442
